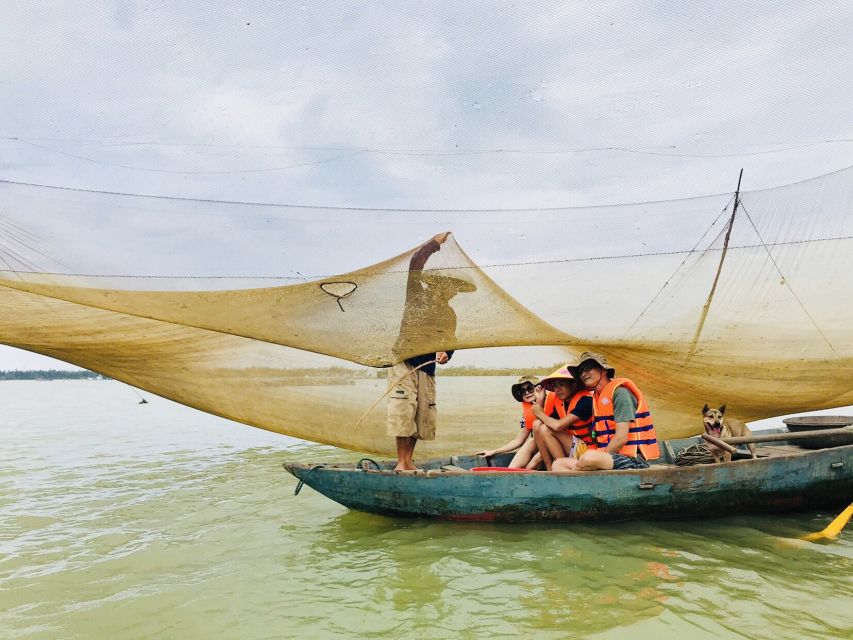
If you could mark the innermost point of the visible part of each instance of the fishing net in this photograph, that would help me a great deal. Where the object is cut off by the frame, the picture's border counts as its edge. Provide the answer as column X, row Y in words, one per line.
column 283, row 316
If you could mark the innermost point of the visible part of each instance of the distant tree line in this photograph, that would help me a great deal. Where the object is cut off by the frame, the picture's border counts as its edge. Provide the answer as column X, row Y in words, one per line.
column 50, row 374
column 540, row 372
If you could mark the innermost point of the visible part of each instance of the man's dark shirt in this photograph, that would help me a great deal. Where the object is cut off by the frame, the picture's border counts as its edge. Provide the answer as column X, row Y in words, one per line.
column 430, row 368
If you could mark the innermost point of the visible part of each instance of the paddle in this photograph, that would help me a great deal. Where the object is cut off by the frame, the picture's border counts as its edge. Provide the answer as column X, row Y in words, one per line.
column 725, row 446
column 790, row 436
column 834, row 528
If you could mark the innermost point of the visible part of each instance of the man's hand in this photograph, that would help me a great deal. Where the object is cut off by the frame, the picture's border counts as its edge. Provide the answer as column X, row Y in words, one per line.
column 441, row 357
column 537, row 410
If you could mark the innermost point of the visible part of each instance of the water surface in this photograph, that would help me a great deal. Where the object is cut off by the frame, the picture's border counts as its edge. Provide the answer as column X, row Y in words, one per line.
column 120, row 520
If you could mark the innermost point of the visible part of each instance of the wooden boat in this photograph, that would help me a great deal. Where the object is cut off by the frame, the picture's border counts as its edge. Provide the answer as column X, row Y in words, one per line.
column 784, row 477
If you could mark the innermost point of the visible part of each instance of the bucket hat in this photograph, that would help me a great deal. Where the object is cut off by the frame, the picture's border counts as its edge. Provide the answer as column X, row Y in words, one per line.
column 523, row 381
column 599, row 359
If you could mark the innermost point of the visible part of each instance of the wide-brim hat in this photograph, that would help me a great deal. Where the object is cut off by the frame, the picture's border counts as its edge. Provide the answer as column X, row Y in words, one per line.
column 523, row 381
column 599, row 359
column 563, row 373
column 448, row 284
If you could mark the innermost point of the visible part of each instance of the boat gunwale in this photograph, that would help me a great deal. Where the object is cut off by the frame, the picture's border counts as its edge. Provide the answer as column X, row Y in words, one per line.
column 654, row 469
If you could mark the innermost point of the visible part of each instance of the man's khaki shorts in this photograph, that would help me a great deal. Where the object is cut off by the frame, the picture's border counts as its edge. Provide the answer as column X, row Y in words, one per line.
column 411, row 403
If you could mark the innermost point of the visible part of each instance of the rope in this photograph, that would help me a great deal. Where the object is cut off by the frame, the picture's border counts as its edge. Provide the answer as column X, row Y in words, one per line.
column 301, row 482
column 693, row 455
column 493, row 265
column 284, row 205
column 390, row 388
column 361, row 466
column 787, row 283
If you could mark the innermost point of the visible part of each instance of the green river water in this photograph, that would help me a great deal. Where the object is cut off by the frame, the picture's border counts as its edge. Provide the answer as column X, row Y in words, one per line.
column 120, row 520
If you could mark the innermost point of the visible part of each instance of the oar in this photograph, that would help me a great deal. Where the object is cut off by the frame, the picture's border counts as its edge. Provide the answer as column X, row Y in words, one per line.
column 790, row 435
column 834, row 527
column 725, row 446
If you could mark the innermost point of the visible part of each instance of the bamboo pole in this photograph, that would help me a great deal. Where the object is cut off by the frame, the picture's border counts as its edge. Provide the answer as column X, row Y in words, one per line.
column 790, row 436
column 718, row 443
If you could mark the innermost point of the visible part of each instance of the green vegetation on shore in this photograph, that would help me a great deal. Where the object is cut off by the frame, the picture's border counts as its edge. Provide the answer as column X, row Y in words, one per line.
column 491, row 371
column 50, row 374
column 305, row 375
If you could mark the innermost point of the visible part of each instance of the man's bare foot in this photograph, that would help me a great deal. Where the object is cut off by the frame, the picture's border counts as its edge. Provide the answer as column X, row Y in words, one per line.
column 405, row 467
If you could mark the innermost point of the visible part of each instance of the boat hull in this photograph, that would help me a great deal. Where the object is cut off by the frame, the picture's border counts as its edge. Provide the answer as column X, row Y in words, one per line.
column 808, row 480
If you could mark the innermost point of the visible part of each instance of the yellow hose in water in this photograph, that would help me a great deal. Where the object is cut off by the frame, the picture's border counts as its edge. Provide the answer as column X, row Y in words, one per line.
column 834, row 527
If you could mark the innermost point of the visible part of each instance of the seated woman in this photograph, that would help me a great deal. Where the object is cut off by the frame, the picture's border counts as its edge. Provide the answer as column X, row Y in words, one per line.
column 530, row 394
column 567, row 431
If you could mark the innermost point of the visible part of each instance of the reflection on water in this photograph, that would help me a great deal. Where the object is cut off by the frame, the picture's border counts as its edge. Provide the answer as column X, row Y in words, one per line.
column 128, row 521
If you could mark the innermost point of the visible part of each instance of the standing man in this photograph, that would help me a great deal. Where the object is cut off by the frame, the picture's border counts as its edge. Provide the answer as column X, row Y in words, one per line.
column 623, row 428
column 427, row 318
column 411, row 405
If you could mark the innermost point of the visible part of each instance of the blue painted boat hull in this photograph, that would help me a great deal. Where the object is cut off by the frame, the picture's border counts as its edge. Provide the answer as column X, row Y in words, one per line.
column 799, row 481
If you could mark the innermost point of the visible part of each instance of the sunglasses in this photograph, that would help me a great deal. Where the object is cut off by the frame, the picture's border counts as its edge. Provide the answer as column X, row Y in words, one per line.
column 528, row 389
column 588, row 366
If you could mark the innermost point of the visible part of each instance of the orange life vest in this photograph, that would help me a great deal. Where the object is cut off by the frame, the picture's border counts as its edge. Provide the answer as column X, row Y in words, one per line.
column 527, row 410
column 641, row 432
column 582, row 429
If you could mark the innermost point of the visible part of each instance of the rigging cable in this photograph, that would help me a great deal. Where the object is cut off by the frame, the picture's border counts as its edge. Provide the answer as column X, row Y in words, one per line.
column 285, row 205
column 787, row 283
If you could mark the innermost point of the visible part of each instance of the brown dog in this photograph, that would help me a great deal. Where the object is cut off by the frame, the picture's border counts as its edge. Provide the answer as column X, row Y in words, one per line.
column 716, row 426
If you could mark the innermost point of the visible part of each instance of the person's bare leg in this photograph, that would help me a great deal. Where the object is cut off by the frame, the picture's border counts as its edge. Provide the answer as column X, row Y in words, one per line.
column 594, row 460
column 523, row 455
column 410, row 452
column 557, row 445
column 535, row 462
column 564, row 464
column 540, row 435
column 405, row 451
column 564, row 438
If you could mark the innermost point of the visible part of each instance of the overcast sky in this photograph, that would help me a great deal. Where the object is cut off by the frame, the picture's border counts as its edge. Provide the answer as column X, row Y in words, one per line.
column 442, row 104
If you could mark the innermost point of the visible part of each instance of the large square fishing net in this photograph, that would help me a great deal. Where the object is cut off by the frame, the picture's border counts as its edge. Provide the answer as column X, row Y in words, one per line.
column 282, row 316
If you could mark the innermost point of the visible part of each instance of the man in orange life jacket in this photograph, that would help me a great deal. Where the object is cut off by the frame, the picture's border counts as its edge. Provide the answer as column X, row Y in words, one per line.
column 623, row 428
column 572, row 418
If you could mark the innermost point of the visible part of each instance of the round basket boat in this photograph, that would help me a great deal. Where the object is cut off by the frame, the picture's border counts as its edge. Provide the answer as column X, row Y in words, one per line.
column 815, row 423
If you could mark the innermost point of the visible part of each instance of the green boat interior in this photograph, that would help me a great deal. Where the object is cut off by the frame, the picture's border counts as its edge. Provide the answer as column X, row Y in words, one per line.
column 670, row 451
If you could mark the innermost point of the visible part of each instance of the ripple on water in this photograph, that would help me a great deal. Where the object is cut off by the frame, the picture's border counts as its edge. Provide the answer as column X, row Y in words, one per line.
column 139, row 529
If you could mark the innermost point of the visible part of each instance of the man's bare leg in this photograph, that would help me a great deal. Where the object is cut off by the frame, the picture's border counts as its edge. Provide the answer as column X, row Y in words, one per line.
column 594, row 460
column 553, row 445
column 564, row 464
column 540, row 432
column 405, row 452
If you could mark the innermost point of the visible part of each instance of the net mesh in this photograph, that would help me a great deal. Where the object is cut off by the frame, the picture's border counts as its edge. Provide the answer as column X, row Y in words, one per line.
column 267, row 314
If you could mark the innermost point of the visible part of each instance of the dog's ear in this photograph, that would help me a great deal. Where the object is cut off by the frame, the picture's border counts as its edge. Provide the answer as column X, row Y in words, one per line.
column 705, row 409
column 723, row 409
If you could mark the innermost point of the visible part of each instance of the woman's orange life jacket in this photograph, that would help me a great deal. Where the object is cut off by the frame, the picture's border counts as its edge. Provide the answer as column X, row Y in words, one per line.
column 527, row 408
column 582, row 429
column 641, row 432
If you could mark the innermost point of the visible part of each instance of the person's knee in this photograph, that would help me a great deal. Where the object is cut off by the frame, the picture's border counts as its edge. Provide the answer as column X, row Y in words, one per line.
column 564, row 464
column 594, row 460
